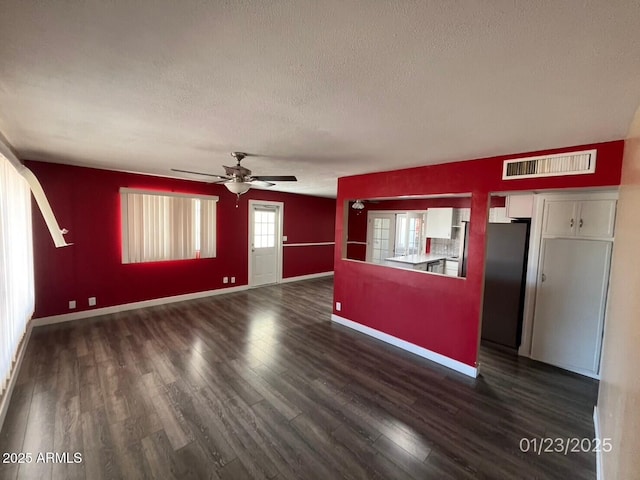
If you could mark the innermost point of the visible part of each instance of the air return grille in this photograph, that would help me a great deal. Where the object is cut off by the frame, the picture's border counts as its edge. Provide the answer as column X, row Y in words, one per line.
column 574, row 163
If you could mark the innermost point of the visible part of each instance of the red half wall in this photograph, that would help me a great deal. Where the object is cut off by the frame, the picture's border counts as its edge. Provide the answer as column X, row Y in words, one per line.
column 440, row 313
column 86, row 201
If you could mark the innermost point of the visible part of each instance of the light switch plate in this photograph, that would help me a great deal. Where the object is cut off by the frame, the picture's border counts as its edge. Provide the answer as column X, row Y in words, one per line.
column 338, row 306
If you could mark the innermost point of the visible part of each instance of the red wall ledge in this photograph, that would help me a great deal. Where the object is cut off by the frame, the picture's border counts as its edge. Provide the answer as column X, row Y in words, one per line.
column 438, row 313
column 86, row 201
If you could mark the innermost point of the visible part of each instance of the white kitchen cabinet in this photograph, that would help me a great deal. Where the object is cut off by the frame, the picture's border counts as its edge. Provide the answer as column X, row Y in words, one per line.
column 451, row 268
column 439, row 222
column 584, row 218
column 597, row 218
column 498, row 215
column 519, row 206
column 560, row 217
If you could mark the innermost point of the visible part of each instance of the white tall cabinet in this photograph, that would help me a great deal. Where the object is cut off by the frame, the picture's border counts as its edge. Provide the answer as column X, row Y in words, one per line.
column 573, row 278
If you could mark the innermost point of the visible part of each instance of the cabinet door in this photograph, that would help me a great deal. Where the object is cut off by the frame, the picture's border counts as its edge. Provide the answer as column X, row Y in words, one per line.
column 596, row 218
column 499, row 215
column 560, row 217
column 570, row 302
column 439, row 222
column 519, row 206
column 451, row 268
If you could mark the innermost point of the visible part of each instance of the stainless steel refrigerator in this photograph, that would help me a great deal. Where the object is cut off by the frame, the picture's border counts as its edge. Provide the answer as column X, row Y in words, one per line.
column 505, row 271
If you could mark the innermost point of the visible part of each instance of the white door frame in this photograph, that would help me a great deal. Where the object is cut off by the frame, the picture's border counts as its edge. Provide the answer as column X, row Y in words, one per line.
column 280, row 207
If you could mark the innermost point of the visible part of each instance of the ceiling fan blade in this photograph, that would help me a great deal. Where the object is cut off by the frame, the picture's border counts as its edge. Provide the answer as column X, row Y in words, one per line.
column 275, row 178
column 200, row 173
column 261, row 183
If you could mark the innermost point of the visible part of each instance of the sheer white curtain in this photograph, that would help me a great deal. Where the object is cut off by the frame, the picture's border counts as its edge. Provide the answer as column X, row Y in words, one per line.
column 208, row 228
column 16, row 265
column 158, row 226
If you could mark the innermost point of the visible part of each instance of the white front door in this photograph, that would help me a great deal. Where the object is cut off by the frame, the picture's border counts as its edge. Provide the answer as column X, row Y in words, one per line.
column 265, row 243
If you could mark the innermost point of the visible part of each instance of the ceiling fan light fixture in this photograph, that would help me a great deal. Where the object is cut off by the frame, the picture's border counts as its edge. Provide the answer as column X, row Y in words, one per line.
column 237, row 187
column 358, row 205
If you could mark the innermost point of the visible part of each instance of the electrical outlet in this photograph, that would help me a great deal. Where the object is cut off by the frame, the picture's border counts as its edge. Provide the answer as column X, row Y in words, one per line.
column 284, row 238
column 338, row 306
column 92, row 301
column 72, row 304
column 225, row 280
column 233, row 279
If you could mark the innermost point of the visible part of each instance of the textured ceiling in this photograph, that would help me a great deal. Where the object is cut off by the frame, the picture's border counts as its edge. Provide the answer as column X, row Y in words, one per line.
column 319, row 89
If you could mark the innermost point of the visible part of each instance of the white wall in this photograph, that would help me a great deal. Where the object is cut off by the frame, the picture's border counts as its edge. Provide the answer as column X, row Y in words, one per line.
column 619, row 396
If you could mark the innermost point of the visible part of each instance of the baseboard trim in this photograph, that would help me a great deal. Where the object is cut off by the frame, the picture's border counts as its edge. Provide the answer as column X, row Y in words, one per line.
column 67, row 317
column 596, row 428
column 307, row 277
column 6, row 396
column 409, row 347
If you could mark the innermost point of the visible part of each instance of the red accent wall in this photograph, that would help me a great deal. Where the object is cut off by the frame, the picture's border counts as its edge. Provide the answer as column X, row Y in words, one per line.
column 436, row 312
column 87, row 202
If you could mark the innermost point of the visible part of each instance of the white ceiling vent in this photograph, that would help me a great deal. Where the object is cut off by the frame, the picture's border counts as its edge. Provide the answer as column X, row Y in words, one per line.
column 573, row 163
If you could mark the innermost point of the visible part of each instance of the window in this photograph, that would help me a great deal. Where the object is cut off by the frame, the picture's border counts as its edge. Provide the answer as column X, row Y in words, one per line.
column 264, row 229
column 409, row 233
column 16, row 265
column 160, row 226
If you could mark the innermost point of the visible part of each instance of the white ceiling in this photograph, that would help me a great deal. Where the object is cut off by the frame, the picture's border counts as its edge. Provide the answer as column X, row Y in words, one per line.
column 321, row 89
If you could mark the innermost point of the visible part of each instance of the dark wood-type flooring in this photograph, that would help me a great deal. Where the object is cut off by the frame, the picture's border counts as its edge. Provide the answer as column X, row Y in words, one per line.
column 260, row 384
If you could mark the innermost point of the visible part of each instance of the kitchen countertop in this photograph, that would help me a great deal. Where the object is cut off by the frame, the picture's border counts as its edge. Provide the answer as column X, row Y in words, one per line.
column 418, row 258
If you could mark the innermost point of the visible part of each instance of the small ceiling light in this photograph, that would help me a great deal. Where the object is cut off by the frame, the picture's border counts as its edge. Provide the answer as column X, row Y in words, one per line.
column 237, row 187
column 358, row 205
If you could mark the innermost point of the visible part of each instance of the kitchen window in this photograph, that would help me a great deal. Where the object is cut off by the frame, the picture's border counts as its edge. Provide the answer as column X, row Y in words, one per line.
column 409, row 233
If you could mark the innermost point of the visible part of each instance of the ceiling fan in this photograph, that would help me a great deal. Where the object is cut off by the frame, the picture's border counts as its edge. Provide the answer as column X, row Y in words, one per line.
column 239, row 180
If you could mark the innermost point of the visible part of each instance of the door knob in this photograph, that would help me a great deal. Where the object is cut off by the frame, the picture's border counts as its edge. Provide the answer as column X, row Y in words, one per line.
column 543, row 277
column 571, row 223
column 581, row 223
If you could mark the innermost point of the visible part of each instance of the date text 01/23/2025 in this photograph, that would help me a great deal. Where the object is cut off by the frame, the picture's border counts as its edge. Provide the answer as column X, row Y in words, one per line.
column 565, row 445
column 41, row 457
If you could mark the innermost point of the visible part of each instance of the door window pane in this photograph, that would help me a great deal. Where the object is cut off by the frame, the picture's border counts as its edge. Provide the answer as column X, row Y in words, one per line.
column 264, row 229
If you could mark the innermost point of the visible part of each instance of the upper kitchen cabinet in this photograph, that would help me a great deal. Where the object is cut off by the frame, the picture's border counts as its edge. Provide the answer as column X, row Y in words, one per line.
column 439, row 222
column 519, row 206
column 597, row 218
column 499, row 215
column 587, row 218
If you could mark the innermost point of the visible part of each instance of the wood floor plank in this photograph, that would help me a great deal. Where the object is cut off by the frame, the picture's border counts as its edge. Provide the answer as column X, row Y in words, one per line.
column 176, row 428
column 39, row 435
column 299, row 457
column 68, row 438
column 166, row 463
column 332, row 452
column 261, row 384
column 100, row 456
column 242, row 434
